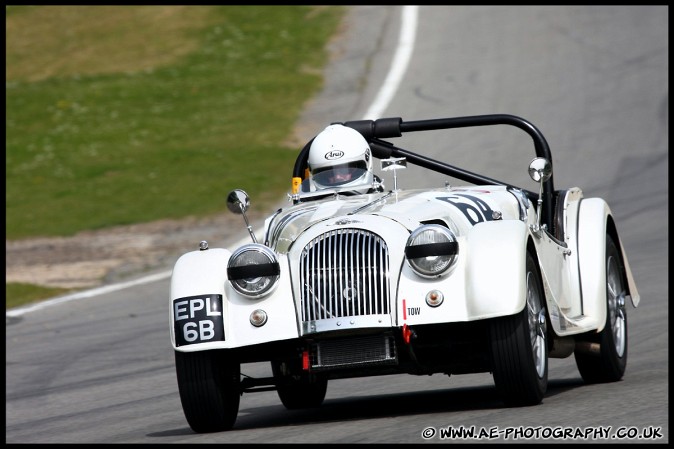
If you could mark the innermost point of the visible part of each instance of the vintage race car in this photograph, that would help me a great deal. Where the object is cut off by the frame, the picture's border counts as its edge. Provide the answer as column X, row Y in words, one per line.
column 485, row 277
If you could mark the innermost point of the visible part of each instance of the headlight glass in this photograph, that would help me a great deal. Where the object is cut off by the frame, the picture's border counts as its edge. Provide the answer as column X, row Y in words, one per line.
column 431, row 250
column 253, row 270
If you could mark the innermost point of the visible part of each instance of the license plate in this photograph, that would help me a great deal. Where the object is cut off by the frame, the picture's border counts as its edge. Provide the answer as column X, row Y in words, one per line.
column 198, row 319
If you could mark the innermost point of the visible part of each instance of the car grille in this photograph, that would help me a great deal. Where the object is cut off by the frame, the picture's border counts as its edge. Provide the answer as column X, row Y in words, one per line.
column 344, row 273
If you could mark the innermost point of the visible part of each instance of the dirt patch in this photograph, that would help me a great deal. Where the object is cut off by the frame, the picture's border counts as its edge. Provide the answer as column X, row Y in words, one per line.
column 95, row 258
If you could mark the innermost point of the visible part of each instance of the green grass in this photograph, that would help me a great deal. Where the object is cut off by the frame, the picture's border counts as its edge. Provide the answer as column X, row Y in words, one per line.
column 189, row 110
column 18, row 294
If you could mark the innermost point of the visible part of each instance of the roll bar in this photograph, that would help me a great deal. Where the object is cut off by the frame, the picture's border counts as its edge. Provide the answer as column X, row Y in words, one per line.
column 374, row 130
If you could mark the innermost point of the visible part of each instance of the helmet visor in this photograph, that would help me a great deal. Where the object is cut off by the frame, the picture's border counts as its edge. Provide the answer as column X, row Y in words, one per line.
column 339, row 174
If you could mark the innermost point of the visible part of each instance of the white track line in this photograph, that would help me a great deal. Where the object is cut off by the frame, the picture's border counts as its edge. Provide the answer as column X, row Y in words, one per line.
column 388, row 89
column 408, row 31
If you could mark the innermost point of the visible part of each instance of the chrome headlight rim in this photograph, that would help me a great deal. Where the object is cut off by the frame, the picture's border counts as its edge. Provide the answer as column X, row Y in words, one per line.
column 434, row 258
column 254, row 280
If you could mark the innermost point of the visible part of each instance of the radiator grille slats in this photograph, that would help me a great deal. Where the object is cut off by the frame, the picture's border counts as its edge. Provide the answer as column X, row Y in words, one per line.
column 344, row 272
column 356, row 351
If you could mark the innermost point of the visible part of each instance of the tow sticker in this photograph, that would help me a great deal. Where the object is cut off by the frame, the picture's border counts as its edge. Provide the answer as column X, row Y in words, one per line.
column 198, row 319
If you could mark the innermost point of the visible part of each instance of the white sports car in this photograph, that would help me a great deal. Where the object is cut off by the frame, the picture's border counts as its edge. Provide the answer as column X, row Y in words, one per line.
column 486, row 277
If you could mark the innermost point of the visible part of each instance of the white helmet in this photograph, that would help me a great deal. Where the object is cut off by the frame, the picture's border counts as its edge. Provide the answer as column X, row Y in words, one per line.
column 340, row 157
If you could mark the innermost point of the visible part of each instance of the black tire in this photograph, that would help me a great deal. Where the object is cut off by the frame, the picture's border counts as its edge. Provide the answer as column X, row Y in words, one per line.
column 209, row 389
column 519, row 348
column 609, row 364
column 299, row 392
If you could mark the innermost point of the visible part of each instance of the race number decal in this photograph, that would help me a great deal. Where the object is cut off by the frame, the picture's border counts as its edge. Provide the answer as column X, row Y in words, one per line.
column 475, row 209
column 198, row 319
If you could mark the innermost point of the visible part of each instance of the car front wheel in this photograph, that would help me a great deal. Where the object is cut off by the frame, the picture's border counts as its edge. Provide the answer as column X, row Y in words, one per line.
column 519, row 347
column 209, row 389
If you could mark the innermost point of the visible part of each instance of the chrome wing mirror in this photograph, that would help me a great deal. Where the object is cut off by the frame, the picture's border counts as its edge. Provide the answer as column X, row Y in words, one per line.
column 238, row 202
column 540, row 170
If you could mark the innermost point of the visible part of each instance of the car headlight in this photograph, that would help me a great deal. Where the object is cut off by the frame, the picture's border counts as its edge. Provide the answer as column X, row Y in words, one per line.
column 253, row 270
column 431, row 250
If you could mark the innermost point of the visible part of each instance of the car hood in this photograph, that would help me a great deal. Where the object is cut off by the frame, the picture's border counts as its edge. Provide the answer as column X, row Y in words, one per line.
column 458, row 208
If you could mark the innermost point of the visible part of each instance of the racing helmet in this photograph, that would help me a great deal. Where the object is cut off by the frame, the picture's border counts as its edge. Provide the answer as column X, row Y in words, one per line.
column 340, row 156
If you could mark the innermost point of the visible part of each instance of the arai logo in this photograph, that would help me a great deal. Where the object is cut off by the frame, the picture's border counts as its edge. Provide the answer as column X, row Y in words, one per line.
column 335, row 154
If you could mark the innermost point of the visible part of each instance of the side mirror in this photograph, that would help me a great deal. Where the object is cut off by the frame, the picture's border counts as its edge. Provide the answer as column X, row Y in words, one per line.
column 540, row 170
column 238, row 202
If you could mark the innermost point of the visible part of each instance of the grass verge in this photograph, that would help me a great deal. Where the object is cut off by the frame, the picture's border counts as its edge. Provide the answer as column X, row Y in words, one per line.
column 18, row 294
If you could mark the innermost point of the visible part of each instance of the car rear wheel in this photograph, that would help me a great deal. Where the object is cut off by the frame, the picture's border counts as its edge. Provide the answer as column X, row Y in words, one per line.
column 209, row 389
column 298, row 392
column 519, row 347
column 608, row 364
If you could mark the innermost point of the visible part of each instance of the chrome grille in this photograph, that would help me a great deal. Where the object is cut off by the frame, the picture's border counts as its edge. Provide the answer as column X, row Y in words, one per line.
column 343, row 273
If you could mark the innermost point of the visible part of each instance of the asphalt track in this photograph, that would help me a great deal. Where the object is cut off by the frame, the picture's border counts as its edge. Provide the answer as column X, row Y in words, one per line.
column 593, row 79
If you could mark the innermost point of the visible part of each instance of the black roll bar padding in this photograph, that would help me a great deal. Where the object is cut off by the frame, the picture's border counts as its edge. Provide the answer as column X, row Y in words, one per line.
column 381, row 128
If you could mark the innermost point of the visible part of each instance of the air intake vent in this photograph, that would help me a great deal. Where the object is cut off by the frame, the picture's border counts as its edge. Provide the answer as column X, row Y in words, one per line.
column 352, row 352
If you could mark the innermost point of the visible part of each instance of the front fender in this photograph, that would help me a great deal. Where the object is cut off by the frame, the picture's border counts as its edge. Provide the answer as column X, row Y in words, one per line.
column 198, row 273
column 592, row 219
column 488, row 280
column 218, row 317
column 496, row 268
column 593, row 226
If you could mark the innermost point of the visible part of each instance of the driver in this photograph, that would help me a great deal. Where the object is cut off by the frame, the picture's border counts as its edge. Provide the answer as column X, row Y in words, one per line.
column 340, row 157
